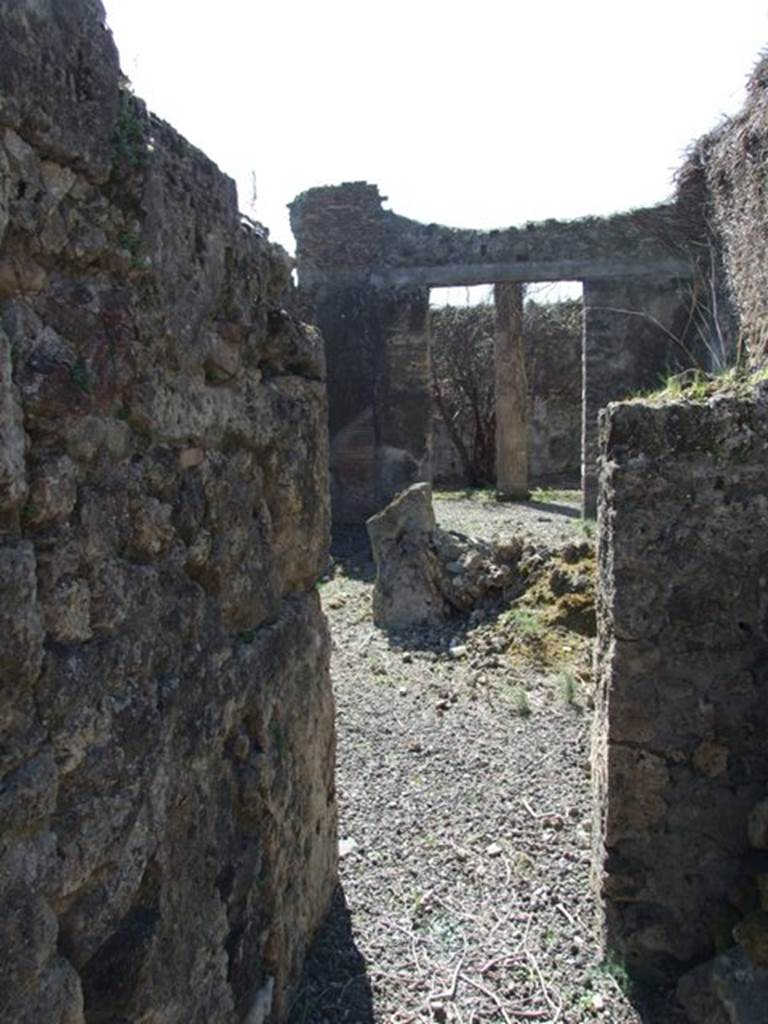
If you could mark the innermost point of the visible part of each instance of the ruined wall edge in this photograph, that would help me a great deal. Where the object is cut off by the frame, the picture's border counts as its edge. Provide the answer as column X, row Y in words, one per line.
column 167, row 809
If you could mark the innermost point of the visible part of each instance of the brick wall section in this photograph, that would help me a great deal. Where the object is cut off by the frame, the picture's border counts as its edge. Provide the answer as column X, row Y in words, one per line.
column 679, row 744
column 167, row 819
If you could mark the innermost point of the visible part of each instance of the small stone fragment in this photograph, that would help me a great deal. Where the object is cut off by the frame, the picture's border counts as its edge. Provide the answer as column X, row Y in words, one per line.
column 346, row 847
column 711, row 759
column 53, row 492
column 189, row 457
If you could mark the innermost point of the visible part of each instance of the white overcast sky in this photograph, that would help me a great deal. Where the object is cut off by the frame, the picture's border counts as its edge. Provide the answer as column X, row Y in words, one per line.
column 473, row 113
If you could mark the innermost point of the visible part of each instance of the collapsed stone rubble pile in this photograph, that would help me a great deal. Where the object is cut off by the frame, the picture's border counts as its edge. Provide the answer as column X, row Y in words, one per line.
column 427, row 575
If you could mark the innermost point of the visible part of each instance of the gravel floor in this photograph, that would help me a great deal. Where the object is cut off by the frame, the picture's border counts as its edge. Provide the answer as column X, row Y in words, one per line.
column 465, row 827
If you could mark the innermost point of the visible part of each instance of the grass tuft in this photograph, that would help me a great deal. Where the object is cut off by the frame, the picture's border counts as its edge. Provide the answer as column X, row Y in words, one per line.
column 518, row 698
column 568, row 688
column 697, row 385
column 526, row 621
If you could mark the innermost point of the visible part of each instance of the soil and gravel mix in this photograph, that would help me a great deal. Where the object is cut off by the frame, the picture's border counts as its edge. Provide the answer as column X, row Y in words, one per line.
column 465, row 814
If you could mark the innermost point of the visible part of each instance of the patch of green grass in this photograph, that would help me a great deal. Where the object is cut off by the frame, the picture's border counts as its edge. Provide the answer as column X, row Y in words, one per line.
column 551, row 494
column 480, row 494
column 128, row 145
column 697, row 385
column 525, row 621
column 568, row 688
column 543, row 494
column 247, row 636
column 518, row 698
column 613, row 969
column 692, row 384
column 588, row 527
column 443, row 931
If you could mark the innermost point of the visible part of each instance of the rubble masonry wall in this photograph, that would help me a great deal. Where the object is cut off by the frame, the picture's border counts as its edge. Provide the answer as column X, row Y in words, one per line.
column 167, row 812
column 680, row 754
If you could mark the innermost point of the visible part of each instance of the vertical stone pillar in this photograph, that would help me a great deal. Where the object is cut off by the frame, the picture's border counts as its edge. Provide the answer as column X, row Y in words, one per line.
column 679, row 751
column 340, row 237
column 633, row 338
column 402, row 415
column 511, row 387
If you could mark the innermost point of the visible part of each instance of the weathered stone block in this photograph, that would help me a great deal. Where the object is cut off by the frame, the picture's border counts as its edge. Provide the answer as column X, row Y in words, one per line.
column 727, row 990
column 679, row 752
column 407, row 590
column 53, row 491
column 21, row 652
column 62, row 97
column 13, row 441
column 167, row 810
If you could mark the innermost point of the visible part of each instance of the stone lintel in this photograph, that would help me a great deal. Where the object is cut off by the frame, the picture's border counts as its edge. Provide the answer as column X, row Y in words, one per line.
column 458, row 274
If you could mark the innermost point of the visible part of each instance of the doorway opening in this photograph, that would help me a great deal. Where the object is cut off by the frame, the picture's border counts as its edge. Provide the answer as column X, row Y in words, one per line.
column 462, row 327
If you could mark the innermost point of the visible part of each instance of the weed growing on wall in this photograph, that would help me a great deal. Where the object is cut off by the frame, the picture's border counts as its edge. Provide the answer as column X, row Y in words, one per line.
column 697, row 385
column 128, row 144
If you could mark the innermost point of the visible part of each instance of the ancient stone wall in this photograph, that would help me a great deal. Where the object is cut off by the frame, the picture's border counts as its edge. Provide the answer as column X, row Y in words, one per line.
column 379, row 386
column 680, row 751
column 635, row 335
column 553, row 352
column 359, row 262
column 167, row 815
column 722, row 187
column 343, row 230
